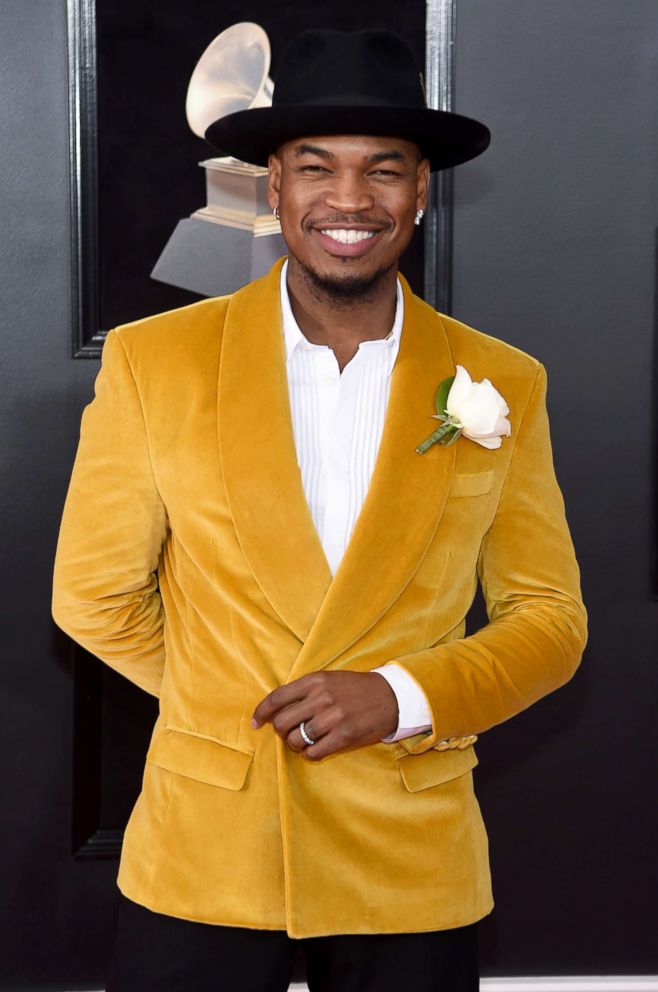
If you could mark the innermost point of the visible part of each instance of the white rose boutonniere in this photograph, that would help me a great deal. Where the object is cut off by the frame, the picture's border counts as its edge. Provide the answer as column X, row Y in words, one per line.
column 474, row 409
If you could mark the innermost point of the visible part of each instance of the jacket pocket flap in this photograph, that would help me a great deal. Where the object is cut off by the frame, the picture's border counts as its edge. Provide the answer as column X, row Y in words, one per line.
column 471, row 483
column 201, row 758
column 421, row 771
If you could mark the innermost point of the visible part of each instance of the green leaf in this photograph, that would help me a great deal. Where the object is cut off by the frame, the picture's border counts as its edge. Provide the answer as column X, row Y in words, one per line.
column 442, row 394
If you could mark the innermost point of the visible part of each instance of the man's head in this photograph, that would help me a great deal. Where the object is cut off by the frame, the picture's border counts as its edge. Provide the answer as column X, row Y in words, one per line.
column 350, row 142
column 347, row 205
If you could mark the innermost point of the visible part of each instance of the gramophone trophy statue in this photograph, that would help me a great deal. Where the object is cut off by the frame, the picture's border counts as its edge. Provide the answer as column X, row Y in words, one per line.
column 234, row 238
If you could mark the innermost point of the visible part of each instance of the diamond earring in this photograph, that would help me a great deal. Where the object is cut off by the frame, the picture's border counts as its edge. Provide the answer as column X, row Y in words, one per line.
column 419, row 216
column 275, row 211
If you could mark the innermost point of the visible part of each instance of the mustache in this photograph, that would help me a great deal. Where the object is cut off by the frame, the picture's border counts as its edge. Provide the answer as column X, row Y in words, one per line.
column 348, row 220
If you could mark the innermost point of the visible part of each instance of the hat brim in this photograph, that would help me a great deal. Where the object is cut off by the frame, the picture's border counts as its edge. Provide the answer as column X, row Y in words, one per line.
column 445, row 138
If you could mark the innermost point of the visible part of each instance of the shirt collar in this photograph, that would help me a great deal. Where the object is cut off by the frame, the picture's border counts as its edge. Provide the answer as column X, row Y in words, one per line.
column 293, row 337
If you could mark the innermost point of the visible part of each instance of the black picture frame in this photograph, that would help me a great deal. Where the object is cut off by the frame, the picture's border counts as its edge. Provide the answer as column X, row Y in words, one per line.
column 91, row 148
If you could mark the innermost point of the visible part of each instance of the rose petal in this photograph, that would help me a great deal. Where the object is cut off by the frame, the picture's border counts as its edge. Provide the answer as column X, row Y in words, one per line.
column 486, row 442
column 459, row 390
column 479, row 411
column 503, row 426
column 495, row 395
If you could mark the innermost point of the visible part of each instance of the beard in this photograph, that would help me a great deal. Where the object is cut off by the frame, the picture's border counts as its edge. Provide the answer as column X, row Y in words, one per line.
column 344, row 290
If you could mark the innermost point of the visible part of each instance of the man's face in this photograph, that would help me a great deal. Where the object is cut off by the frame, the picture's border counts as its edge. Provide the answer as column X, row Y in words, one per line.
column 347, row 205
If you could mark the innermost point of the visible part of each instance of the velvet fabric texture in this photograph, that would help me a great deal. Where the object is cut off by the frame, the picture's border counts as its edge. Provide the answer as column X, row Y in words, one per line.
column 188, row 561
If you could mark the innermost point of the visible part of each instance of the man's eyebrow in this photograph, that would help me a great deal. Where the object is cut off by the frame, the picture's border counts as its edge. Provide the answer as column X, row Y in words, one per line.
column 392, row 156
column 312, row 150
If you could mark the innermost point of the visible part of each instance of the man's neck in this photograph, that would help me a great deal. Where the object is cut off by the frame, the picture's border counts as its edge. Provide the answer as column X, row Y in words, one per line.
column 341, row 324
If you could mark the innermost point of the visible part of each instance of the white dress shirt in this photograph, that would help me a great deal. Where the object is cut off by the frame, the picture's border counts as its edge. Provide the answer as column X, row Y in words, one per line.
column 338, row 420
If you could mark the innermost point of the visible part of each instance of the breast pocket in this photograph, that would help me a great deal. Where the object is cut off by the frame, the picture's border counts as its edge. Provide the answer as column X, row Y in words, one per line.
column 471, row 483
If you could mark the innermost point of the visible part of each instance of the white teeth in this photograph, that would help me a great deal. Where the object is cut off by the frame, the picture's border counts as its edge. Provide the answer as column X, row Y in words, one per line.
column 348, row 237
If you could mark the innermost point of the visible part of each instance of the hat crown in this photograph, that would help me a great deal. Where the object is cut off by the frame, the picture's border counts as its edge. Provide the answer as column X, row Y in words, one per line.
column 335, row 83
column 341, row 68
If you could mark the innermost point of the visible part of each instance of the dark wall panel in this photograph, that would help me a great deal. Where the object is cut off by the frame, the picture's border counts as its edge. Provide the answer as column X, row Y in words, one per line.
column 554, row 252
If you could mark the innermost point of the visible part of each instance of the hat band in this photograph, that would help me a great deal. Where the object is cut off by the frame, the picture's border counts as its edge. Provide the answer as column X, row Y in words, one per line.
column 350, row 100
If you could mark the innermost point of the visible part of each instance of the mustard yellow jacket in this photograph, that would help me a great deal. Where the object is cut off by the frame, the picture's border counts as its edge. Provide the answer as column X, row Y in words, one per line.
column 188, row 561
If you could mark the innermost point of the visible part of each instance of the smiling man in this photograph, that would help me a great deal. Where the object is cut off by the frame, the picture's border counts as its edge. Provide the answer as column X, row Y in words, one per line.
column 349, row 204
column 266, row 529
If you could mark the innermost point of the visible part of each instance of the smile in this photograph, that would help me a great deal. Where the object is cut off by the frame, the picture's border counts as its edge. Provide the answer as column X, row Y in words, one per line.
column 347, row 237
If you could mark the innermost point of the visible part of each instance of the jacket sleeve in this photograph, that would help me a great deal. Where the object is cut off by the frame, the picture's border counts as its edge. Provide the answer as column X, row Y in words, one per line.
column 105, row 588
column 537, row 626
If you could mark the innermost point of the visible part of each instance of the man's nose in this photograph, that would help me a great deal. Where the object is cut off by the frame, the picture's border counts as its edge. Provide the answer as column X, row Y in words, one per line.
column 349, row 194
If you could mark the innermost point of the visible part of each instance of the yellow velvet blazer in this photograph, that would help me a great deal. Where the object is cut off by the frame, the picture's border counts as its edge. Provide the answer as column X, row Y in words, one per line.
column 188, row 561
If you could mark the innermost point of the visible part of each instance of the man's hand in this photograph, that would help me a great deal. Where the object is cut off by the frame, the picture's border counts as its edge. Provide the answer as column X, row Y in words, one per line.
column 341, row 711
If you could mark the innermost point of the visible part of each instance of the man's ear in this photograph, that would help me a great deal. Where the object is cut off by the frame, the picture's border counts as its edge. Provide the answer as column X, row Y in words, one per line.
column 273, row 180
column 423, row 182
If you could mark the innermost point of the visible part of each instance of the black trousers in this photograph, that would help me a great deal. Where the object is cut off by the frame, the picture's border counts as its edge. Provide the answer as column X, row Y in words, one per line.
column 157, row 952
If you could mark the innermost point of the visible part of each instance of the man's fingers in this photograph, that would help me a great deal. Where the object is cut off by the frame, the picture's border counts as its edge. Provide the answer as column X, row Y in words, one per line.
column 282, row 696
column 315, row 728
column 347, row 710
column 331, row 743
column 290, row 717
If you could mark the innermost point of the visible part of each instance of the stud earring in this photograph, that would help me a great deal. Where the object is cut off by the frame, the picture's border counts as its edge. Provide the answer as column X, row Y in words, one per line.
column 419, row 216
column 275, row 211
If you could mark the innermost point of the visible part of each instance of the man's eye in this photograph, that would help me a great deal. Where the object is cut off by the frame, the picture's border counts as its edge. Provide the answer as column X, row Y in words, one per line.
column 385, row 172
column 313, row 168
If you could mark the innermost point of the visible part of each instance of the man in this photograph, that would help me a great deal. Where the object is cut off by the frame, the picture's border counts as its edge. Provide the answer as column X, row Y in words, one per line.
column 266, row 529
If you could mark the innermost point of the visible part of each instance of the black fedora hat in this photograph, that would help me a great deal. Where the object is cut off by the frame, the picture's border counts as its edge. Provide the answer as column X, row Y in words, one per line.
column 354, row 82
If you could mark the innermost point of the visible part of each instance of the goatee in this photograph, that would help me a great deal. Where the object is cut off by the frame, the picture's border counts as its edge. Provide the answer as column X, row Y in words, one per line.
column 347, row 289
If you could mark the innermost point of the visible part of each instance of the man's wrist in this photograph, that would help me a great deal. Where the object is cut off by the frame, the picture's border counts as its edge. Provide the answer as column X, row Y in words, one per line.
column 414, row 712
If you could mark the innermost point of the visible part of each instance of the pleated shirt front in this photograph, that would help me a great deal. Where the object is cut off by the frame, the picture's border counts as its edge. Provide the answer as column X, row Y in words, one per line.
column 338, row 421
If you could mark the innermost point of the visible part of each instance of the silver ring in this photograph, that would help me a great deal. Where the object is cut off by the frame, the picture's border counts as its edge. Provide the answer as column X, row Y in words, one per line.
column 305, row 736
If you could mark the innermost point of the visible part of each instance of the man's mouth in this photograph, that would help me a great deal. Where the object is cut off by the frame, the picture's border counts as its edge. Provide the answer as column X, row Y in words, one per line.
column 347, row 242
column 347, row 236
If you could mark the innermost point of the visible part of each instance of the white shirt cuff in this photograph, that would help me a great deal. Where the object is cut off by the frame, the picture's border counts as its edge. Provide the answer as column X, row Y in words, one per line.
column 414, row 713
